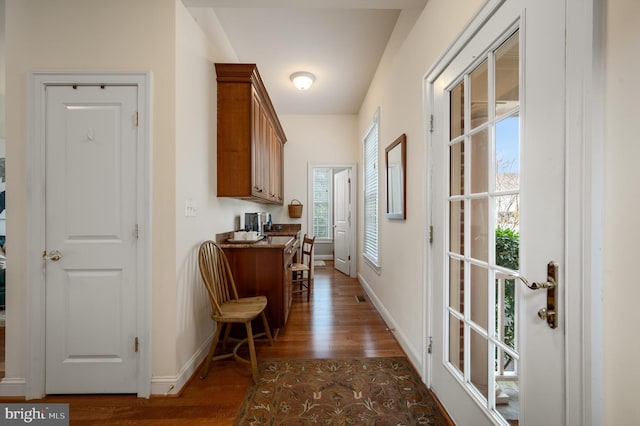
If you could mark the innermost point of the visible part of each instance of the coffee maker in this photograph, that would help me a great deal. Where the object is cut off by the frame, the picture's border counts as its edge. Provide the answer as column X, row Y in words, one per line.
column 256, row 221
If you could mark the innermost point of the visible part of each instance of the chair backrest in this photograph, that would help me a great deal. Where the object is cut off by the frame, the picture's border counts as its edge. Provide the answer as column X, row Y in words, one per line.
column 216, row 275
column 307, row 249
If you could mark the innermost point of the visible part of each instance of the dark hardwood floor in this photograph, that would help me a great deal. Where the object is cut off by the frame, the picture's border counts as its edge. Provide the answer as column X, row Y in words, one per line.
column 332, row 325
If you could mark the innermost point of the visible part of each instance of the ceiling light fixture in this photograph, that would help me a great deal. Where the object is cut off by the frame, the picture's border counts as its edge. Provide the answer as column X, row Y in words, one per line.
column 302, row 79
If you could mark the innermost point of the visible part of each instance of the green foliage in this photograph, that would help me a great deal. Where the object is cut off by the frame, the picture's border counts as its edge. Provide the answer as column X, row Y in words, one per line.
column 508, row 256
column 507, row 248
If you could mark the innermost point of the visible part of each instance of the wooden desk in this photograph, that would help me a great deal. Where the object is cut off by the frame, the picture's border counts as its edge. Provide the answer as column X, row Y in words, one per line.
column 262, row 269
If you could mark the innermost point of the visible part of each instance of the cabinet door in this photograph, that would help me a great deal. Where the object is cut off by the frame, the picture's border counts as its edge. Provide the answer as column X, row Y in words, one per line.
column 257, row 117
column 279, row 181
column 274, row 175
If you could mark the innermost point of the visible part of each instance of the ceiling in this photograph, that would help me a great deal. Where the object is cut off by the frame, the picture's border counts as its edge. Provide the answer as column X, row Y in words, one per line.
column 339, row 41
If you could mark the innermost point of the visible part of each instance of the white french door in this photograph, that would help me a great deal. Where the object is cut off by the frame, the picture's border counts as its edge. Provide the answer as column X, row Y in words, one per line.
column 497, row 199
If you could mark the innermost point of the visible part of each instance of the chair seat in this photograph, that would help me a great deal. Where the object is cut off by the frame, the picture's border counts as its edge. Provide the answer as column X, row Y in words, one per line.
column 242, row 310
column 298, row 267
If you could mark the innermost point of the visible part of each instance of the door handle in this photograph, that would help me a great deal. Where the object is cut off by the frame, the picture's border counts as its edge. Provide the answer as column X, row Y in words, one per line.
column 54, row 255
column 550, row 312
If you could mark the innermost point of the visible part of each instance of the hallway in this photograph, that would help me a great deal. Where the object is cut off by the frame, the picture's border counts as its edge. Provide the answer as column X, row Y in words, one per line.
column 333, row 325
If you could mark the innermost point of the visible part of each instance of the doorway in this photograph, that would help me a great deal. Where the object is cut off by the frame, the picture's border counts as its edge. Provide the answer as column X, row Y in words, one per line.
column 91, row 239
column 324, row 222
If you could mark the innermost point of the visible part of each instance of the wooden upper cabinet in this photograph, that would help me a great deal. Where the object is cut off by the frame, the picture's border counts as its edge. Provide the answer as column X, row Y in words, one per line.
column 250, row 137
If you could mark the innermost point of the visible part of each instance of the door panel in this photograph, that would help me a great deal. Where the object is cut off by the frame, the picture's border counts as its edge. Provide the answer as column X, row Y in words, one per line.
column 497, row 203
column 91, row 199
column 342, row 221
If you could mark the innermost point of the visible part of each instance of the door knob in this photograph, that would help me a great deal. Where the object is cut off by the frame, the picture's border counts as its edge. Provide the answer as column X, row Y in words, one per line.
column 54, row 255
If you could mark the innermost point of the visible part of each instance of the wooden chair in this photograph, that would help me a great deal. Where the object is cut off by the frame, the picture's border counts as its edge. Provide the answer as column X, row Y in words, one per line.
column 301, row 272
column 227, row 308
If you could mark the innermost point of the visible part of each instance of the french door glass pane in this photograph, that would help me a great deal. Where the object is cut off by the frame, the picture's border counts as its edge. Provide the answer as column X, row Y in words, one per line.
column 507, row 76
column 480, row 162
column 507, row 219
column 456, row 160
column 479, row 296
column 456, row 285
column 508, row 154
column 478, row 363
column 480, row 229
column 456, row 343
column 456, row 227
column 479, row 81
column 506, row 310
column 456, row 127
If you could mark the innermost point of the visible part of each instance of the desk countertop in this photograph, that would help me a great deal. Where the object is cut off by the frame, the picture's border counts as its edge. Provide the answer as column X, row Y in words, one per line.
column 268, row 242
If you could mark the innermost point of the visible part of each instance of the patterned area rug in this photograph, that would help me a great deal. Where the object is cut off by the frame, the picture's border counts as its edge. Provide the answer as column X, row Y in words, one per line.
column 367, row 391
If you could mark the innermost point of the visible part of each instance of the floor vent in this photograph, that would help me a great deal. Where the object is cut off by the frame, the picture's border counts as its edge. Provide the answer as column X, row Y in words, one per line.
column 359, row 298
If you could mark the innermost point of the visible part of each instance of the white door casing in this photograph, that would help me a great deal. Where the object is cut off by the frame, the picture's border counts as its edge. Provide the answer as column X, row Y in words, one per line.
column 542, row 214
column 350, row 238
column 89, row 185
column 342, row 220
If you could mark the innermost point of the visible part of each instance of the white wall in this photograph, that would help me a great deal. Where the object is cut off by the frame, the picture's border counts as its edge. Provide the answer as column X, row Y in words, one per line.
column 119, row 35
column 81, row 35
column 319, row 139
column 397, row 90
column 196, row 168
column 622, row 203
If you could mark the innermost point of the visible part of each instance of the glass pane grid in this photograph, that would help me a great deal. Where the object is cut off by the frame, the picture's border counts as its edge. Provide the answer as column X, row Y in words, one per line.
column 484, row 217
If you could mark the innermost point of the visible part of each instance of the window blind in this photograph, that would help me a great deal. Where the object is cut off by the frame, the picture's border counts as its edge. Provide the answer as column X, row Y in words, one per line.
column 322, row 202
column 370, row 249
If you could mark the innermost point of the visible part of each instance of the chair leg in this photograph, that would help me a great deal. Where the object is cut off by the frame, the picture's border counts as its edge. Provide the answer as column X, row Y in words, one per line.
column 252, row 351
column 267, row 330
column 309, row 287
column 227, row 332
column 212, row 350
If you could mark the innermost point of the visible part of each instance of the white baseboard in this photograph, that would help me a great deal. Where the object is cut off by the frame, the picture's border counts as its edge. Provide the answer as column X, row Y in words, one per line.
column 172, row 385
column 323, row 256
column 160, row 385
column 13, row 386
column 414, row 357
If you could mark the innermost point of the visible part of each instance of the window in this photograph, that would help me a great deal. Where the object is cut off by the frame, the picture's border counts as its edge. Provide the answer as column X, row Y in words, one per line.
column 370, row 245
column 322, row 177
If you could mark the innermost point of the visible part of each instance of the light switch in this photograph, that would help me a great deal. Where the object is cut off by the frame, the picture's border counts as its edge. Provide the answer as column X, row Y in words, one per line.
column 190, row 208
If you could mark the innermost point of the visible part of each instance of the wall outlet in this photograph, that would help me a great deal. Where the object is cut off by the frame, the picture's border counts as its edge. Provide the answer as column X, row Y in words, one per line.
column 190, row 209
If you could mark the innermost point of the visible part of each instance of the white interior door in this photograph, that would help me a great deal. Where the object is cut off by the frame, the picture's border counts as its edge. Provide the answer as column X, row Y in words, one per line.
column 342, row 221
column 497, row 197
column 91, row 239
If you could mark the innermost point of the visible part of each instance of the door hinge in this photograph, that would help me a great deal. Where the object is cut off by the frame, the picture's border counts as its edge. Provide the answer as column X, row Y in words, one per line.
column 430, row 234
column 136, row 232
column 430, row 347
column 349, row 258
column 136, row 344
column 137, row 119
column 431, row 123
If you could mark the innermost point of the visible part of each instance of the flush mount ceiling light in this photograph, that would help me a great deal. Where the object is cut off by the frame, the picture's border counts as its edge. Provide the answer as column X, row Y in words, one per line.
column 302, row 79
